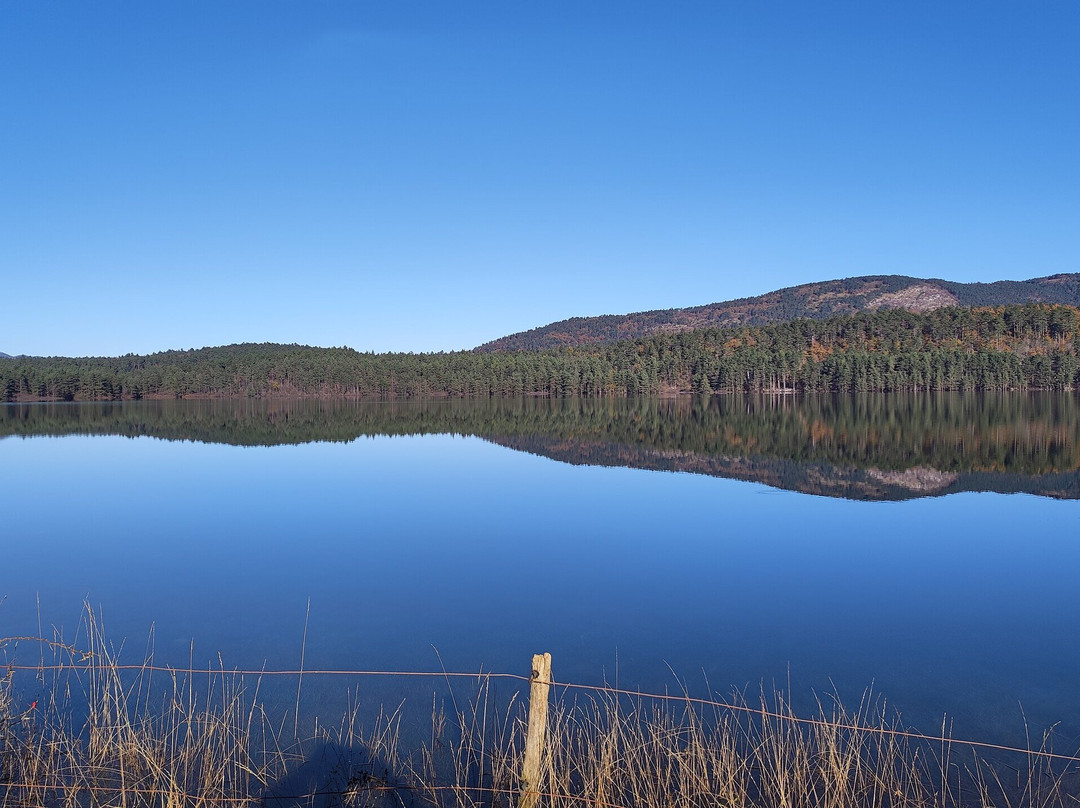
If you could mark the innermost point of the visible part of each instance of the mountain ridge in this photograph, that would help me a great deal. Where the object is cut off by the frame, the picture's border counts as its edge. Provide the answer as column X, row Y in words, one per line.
column 818, row 300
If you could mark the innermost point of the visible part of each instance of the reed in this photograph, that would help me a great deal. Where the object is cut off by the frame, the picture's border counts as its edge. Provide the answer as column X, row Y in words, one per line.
column 98, row 733
column 610, row 749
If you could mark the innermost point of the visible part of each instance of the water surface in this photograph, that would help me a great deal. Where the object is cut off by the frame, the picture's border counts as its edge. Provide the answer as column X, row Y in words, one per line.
column 829, row 543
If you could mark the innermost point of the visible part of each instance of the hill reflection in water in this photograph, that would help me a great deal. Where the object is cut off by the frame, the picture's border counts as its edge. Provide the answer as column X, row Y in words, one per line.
column 874, row 447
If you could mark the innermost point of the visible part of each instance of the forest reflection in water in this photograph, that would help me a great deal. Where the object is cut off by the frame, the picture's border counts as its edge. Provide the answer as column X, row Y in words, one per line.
column 869, row 447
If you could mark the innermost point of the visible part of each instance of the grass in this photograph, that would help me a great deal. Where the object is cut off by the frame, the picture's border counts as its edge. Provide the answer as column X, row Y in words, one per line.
column 616, row 750
column 99, row 736
column 101, row 733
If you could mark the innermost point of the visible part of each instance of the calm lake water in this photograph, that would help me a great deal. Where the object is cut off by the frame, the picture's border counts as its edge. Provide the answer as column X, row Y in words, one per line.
column 925, row 546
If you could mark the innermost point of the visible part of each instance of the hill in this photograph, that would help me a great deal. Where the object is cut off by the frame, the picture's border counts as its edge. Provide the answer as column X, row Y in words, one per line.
column 1030, row 346
column 4, row 355
column 816, row 301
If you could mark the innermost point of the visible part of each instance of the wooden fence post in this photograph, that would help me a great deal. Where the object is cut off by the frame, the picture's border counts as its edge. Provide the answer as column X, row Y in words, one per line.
column 537, row 732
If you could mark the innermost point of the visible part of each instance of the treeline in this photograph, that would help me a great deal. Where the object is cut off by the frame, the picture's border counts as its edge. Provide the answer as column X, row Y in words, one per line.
column 1034, row 346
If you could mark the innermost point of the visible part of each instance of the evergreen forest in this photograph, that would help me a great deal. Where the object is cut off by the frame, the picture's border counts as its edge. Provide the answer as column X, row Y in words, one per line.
column 1030, row 346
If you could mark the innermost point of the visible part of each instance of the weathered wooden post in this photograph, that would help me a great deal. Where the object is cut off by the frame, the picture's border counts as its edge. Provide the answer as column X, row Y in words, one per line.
column 539, row 688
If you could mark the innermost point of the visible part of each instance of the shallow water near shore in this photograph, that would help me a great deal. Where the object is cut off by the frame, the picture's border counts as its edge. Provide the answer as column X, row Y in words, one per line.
column 470, row 535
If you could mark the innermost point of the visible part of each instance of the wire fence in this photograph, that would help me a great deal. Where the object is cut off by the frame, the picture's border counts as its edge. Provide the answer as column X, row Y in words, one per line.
column 81, row 660
column 482, row 675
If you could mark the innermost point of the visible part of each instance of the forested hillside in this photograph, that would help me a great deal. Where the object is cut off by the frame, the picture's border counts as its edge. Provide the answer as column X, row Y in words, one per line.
column 813, row 301
column 955, row 348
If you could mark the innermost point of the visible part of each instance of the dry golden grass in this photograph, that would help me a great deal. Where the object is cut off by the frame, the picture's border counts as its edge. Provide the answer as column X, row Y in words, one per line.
column 97, row 736
column 102, row 734
column 613, row 750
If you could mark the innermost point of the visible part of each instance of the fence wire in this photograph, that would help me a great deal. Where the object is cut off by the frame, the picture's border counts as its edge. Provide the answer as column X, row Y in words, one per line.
column 87, row 661
column 83, row 660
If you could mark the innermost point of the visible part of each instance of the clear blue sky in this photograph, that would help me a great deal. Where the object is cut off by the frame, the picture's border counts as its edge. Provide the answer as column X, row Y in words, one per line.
column 396, row 175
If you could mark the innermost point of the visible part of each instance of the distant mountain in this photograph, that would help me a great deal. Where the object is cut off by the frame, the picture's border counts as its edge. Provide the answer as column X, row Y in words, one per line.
column 812, row 300
column 5, row 356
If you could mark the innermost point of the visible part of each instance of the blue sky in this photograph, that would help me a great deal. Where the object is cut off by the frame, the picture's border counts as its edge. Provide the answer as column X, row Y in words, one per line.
column 431, row 175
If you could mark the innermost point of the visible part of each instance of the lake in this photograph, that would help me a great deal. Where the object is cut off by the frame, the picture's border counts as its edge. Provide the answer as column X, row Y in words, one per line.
column 924, row 546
